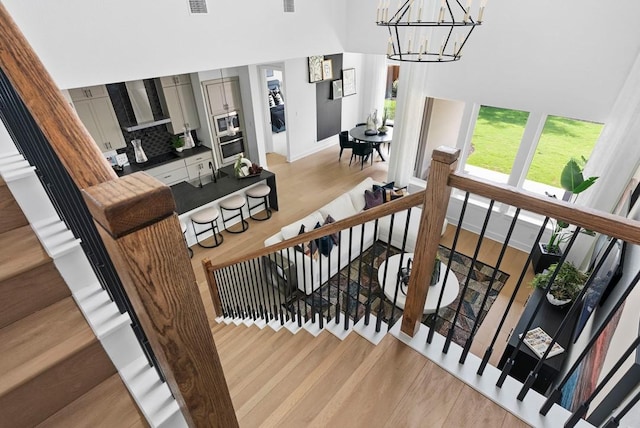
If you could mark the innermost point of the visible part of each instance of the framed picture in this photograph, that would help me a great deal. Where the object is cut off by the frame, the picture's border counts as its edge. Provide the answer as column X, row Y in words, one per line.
column 336, row 89
column 348, row 82
column 315, row 68
column 327, row 69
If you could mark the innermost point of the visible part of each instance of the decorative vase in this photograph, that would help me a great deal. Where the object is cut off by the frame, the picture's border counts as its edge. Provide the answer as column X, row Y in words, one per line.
column 435, row 275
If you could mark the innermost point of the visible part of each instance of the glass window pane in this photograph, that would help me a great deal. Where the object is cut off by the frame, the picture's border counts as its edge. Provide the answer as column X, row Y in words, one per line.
column 561, row 139
column 495, row 142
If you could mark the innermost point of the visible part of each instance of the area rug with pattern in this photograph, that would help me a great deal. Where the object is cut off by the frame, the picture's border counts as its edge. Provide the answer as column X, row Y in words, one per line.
column 469, row 299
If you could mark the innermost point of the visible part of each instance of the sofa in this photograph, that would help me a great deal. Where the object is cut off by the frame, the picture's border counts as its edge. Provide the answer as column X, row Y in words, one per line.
column 317, row 269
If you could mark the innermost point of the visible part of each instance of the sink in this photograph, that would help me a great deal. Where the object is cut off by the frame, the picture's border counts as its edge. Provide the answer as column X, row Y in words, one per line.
column 205, row 179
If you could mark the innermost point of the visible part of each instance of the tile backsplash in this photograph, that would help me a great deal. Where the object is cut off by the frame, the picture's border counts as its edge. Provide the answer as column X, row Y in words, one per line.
column 155, row 140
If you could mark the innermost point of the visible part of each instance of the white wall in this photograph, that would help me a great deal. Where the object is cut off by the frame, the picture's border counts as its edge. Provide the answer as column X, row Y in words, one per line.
column 566, row 58
column 94, row 42
column 351, row 104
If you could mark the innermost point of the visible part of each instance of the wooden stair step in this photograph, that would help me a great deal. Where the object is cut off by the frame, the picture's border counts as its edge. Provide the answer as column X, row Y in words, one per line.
column 20, row 251
column 238, row 350
column 40, row 341
column 249, row 383
column 236, row 369
column 34, row 290
column 109, row 404
column 292, row 374
column 228, row 333
column 385, row 375
column 36, row 399
column 240, row 333
column 11, row 216
column 302, row 404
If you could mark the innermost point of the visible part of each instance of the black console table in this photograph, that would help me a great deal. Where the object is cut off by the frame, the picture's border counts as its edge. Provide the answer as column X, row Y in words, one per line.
column 548, row 318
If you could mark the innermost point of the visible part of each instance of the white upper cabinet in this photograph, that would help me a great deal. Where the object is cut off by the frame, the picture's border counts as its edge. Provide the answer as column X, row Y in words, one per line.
column 96, row 112
column 223, row 97
column 176, row 97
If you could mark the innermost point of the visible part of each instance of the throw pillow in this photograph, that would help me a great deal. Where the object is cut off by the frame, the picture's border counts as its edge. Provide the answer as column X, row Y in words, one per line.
column 334, row 236
column 300, row 247
column 388, row 186
column 311, row 249
column 325, row 243
column 390, row 195
column 373, row 199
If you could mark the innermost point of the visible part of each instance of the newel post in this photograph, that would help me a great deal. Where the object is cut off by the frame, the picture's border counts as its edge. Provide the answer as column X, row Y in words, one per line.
column 136, row 219
column 434, row 211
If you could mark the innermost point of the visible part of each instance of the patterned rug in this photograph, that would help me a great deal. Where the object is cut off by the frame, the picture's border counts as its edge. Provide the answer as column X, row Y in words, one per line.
column 334, row 291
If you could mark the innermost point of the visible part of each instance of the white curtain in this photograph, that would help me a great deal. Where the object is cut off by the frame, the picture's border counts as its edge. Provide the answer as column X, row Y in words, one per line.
column 616, row 156
column 374, row 81
column 406, row 129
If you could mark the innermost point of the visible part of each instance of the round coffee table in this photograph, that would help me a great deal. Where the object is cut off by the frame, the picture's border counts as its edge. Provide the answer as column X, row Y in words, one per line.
column 451, row 288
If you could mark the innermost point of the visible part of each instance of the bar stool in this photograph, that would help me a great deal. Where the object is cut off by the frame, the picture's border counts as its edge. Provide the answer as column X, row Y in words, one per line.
column 208, row 217
column 233, row 203
column 183, row 226
column 259, row 192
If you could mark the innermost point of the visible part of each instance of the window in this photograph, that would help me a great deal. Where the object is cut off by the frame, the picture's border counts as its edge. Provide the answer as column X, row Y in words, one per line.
column 561, row 139
column 393, row 73
column 495, row 142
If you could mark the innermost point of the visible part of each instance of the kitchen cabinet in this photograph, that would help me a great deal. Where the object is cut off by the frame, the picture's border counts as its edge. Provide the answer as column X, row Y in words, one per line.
column 96, row 112
column 223, row 97
column 170, row 173
column 199, row 163
column 177, row 100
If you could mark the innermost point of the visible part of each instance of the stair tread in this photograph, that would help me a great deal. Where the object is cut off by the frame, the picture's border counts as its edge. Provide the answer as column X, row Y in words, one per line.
column 243, row 339
column 291, row 374
column 12, row 216
column 20, row 251
column 39, row 341
column 108, row 404
column 301, row 406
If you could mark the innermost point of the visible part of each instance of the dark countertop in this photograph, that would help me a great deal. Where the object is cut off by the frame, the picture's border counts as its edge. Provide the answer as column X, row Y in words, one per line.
column 188, row 197
column 162, row 159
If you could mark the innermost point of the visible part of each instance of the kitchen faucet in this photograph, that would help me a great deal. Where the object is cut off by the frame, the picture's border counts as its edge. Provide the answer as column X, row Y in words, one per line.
column 213, row 172
column 199, row 180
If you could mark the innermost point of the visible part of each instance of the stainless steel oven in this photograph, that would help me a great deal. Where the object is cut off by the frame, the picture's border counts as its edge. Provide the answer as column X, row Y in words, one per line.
column 230, row 147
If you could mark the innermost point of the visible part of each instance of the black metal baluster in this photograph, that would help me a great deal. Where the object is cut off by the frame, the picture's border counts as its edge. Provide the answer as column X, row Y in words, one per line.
column 234, row 284
column 402, row 254
column 357, row 296
column 447, row 342
column 367, row 309
column 584, row 407
column 282, row 315
column 259, row 286
column 267, row 264
column 530, row 379
column 246, row 272
column 523, row 273
column 320, row 316
column 447, row 271
column 304, row 285
column 329, row 281
column 347, row 309
column 339, row 276
column 476, row 323
column 614, row 421
column 557, row 392
column 383, row 286
column 228, row 283
column 222, row 293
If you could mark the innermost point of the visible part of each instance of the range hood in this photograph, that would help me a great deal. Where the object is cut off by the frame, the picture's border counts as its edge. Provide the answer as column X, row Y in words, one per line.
column 141, row 107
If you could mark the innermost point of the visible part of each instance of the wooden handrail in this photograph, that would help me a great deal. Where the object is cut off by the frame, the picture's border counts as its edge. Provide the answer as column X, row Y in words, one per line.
column 53, row 114
column 587, row 218
column 380, row 211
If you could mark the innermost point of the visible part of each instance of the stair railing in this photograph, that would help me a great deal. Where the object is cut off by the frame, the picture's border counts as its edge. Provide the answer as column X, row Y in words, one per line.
column 136, row 219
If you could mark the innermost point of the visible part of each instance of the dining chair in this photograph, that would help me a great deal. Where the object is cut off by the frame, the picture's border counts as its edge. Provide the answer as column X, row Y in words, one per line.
column 363, row 151
column 345, row 142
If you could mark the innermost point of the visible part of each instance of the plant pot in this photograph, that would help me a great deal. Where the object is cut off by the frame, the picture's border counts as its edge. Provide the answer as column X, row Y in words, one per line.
column 542, row 259
column 557, row 302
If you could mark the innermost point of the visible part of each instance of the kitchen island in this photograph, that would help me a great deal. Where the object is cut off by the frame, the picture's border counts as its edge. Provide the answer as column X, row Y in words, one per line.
column 200, row 191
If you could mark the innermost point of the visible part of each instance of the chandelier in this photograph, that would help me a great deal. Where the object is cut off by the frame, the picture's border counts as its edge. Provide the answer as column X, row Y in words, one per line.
column 432, row 34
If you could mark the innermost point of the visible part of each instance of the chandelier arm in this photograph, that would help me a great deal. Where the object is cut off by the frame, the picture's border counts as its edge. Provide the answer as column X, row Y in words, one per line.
column 404, row 6
column 398, row 40
column 466, row 38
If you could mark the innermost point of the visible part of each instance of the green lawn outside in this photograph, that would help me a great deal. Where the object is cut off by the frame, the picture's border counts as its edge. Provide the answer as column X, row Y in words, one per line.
column 497, row 136
column 390, row 105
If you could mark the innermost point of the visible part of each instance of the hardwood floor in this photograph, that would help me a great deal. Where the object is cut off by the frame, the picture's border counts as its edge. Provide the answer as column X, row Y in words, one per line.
column 309, row 183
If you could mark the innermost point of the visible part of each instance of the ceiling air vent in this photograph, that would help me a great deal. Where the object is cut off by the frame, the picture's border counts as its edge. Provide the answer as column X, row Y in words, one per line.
column 289, row 6
column 198, row 7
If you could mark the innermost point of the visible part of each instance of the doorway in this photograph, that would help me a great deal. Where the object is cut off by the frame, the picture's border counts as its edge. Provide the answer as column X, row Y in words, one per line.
column 274, row 101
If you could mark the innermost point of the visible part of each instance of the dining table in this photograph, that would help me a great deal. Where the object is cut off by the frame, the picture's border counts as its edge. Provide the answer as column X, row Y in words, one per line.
column 358, row 134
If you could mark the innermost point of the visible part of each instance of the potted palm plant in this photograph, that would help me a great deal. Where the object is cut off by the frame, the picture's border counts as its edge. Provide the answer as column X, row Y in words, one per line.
column 572, row 180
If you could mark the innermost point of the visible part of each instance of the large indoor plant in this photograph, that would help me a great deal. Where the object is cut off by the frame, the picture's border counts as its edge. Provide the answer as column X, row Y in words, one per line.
column 572, row 180
column 566, row 285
